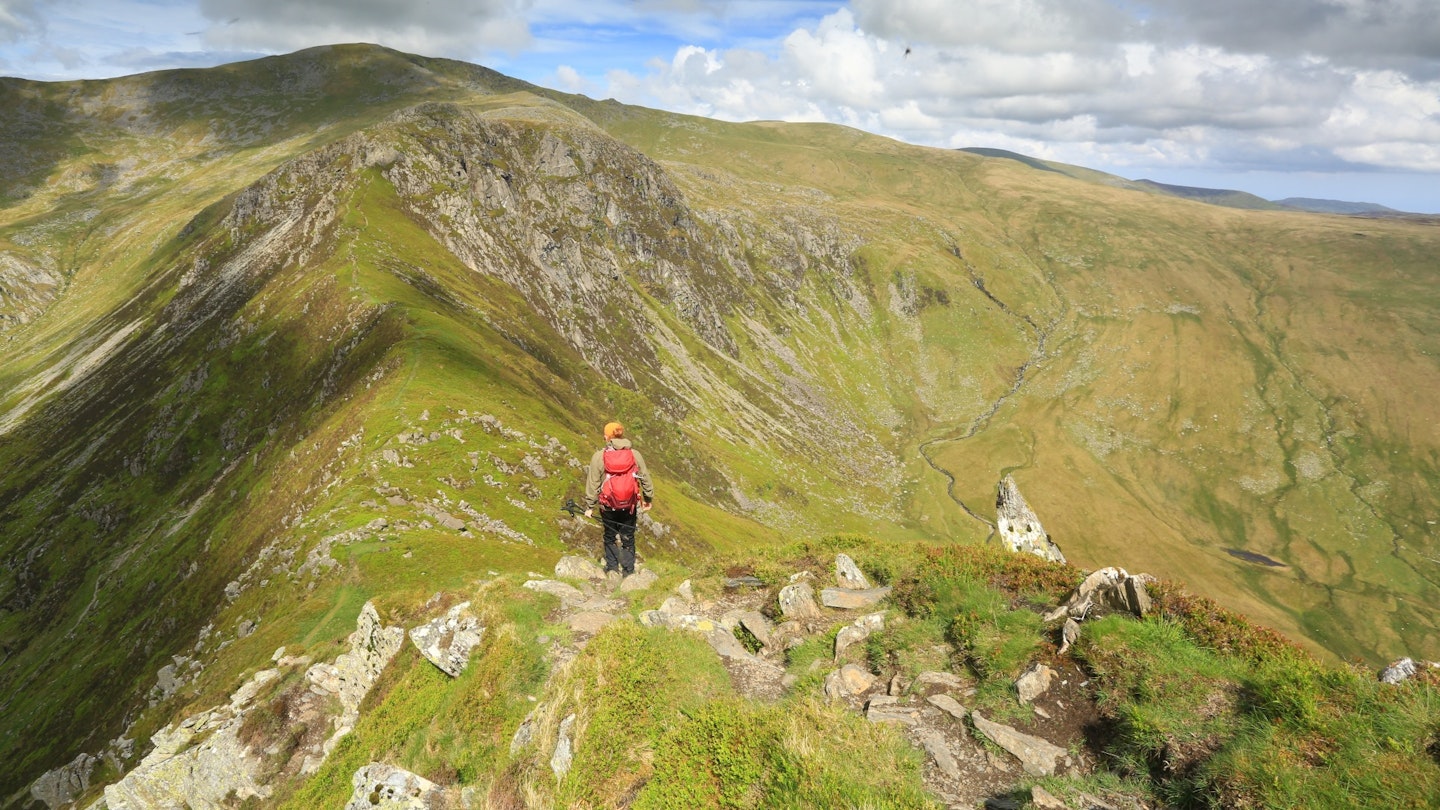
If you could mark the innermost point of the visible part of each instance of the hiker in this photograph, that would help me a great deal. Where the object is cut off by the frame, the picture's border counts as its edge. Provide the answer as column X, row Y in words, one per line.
column 620, row 485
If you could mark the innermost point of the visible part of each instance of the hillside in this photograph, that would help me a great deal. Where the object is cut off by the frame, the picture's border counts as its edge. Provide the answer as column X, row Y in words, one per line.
column 289, row 336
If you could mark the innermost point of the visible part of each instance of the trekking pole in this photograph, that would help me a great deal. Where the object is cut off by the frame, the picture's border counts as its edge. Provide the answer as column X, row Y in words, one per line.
column 576, row 510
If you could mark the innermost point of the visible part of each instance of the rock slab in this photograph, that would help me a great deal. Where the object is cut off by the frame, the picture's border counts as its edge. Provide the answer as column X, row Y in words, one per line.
column 448, row 641
column 1038, row 757
column 849, row 599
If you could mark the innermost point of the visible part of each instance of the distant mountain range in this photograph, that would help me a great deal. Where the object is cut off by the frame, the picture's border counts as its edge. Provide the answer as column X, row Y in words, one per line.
column 1229, row 198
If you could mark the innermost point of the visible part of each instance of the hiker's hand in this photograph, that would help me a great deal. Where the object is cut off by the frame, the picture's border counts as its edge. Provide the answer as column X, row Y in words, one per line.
column 646, row 506
column 589, row 513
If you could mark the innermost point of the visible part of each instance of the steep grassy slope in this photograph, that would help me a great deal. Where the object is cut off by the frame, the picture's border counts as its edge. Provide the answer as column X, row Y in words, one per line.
column 261, row 302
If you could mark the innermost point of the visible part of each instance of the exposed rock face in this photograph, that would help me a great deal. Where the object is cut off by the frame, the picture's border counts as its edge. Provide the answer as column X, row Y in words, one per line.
column 353, row 673
column 178, row 774
column 62, row 785
column 640, row 580
column 448, row 641
column 26, row 289
column 1018, row 526
column 202, row 762
column 385, row 787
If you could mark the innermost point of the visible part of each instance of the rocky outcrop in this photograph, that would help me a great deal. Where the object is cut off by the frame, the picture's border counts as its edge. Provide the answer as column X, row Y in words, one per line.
column 1019, row 528
column 65, row 784
column 385, row 787
column 199, row 762
column 448, row 641
column 372, row 646
column 203, row 762
column 1111, row 588
column 1405, row 669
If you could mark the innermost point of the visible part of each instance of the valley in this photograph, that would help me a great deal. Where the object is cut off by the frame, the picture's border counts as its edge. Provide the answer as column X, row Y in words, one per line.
column 247, row 312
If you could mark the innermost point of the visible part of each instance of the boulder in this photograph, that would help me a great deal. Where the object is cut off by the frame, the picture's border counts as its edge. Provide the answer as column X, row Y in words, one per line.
column 1034, row 683
column 848, row 574
column 848, row 680
column 744, row 582
column 640, row 580
column 1137, row 596
column 572, row 567
column 797, row 601
column 523, row 735
column 847, row 599
column 448, row 641
column 685, row 591
column 1018, row 526
column 385, row 787
column 1398, row 672
column 64, row 784
column 449, row 521
column 1038, row 757
column 1111, row 588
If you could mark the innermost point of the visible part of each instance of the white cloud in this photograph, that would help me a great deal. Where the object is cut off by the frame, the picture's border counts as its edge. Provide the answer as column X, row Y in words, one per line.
column 442, row 27
column 1073, row 80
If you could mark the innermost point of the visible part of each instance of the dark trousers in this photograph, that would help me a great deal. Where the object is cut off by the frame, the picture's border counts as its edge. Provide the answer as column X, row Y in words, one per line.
column 619, row 540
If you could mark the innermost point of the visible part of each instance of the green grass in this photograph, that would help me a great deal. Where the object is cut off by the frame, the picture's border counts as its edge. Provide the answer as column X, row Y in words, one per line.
column 1194, row 394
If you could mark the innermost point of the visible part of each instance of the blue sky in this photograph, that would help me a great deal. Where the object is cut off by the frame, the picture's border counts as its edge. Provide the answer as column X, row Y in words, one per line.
column 1317, row 98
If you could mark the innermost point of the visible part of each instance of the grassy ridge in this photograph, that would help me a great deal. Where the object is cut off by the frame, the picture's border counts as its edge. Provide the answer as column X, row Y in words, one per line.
column 1168, row 381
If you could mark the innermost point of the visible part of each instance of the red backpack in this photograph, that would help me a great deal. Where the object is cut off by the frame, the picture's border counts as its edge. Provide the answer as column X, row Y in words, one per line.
column 620, row 491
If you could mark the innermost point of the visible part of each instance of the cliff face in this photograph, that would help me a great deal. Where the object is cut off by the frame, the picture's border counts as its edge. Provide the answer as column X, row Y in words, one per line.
column 296, row 332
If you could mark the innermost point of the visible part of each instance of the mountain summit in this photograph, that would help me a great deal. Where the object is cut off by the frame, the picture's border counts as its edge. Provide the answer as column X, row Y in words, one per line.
column 287, row 337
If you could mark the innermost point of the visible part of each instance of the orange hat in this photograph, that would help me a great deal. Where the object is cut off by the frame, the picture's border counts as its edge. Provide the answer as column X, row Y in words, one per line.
column 614, row 430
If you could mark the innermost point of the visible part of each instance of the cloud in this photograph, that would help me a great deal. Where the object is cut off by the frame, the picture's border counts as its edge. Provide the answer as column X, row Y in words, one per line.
column 19, row 19
column 1077, row 80
column 443, row 27
column 1378, row 34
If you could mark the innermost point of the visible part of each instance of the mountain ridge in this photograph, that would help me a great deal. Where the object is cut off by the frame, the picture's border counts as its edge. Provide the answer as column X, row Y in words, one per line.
column 251, row 342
